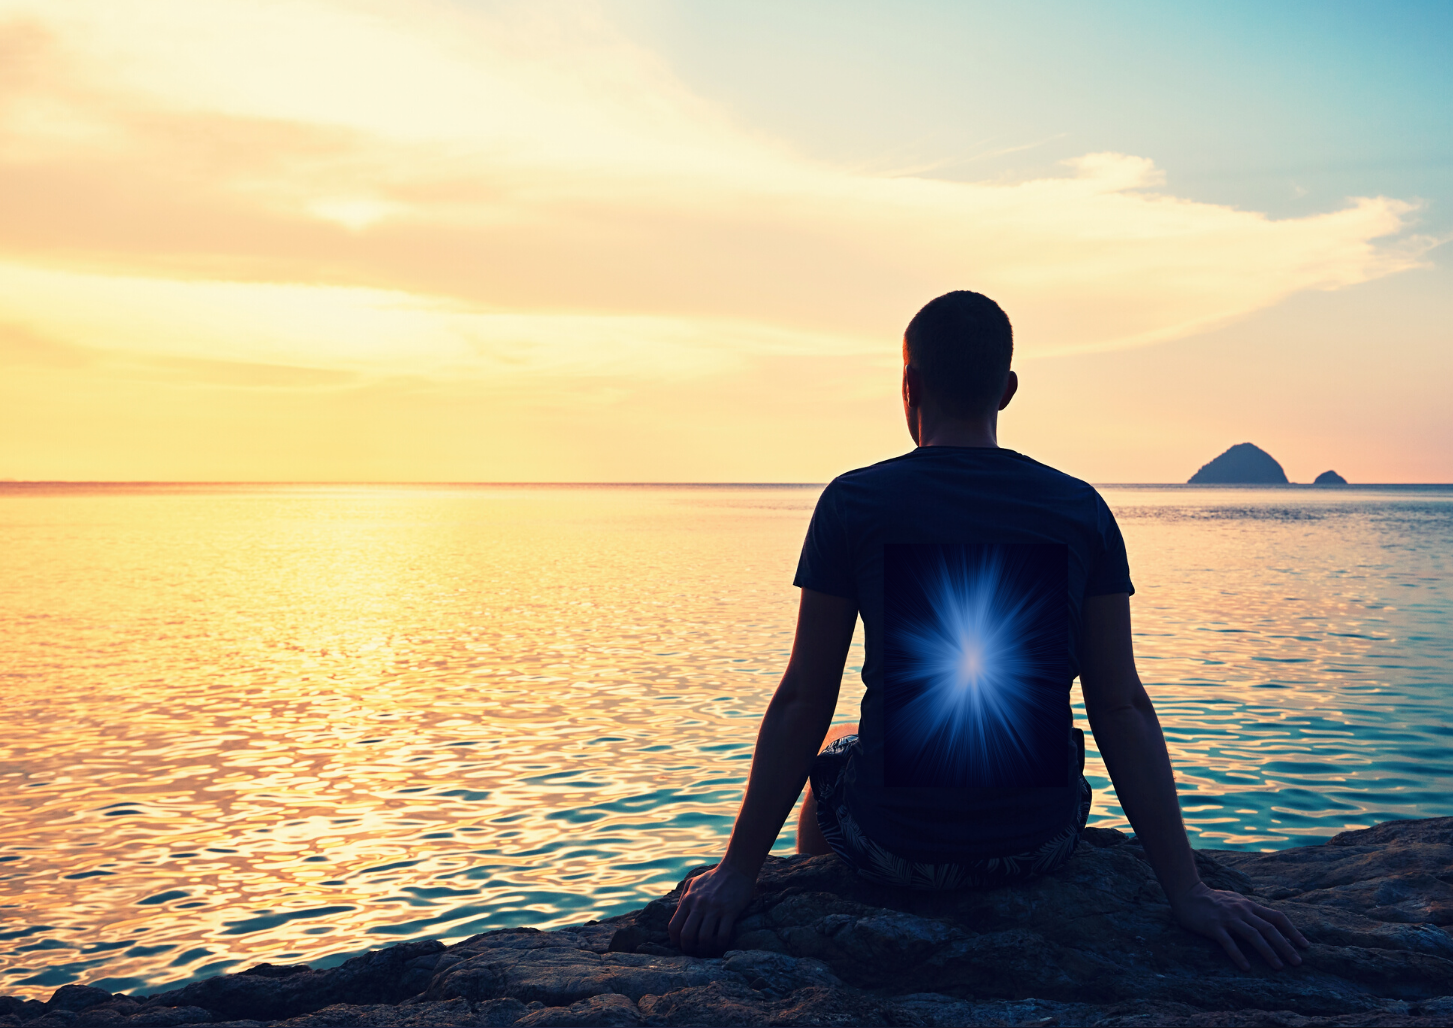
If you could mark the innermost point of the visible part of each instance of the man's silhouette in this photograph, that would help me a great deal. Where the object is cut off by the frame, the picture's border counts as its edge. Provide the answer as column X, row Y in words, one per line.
column 987, row 583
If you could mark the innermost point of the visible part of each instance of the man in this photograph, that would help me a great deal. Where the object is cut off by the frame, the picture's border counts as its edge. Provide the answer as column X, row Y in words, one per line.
column 987, row 583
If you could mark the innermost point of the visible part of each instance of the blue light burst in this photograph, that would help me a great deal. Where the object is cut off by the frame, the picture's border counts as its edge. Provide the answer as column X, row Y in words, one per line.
column 976, row 667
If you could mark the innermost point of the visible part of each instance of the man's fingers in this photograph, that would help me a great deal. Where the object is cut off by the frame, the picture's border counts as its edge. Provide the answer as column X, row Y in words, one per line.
column 1230, row 918
column 689, row 929
column 1284, row 924
column 1229, row 945
column 683, row 910
column 1276, row 934
column 678, row 919
column 723, row 934
column 702, row 922
column 706, row 930
column 1252, row 934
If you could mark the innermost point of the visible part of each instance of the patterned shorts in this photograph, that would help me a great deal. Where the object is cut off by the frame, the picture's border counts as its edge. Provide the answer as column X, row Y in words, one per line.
column 877, row 864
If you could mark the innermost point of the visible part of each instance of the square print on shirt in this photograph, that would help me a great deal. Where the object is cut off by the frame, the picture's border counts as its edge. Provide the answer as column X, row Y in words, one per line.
column 976, row 665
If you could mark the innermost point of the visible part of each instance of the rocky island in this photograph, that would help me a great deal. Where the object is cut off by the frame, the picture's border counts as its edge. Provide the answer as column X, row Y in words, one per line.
column 1242, row 464
column 1091, row 944
column 1329, row 478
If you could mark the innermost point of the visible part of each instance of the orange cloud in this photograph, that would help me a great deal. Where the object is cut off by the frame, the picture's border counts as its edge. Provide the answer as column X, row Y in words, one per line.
column 375, row 190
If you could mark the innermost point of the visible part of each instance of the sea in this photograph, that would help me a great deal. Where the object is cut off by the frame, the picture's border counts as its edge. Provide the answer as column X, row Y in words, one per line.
column 291, row 723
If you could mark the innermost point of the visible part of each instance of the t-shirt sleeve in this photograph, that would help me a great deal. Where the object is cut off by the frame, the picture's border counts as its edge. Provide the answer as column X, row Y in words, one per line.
column 1109, row 565
column 826, row 564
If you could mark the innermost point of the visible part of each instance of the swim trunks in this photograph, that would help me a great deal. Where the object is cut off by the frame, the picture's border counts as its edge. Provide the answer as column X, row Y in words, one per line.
column 879, row 864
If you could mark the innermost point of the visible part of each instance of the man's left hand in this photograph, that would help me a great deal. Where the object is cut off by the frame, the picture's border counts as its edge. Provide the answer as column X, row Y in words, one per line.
column 1229, row 917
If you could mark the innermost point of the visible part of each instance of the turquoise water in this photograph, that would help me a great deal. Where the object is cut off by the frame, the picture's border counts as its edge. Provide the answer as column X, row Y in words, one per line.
column 289, row 723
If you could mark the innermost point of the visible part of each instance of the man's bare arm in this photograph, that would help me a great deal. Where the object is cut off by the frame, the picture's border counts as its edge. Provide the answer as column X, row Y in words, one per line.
column 795, row 722
column 1128, row 735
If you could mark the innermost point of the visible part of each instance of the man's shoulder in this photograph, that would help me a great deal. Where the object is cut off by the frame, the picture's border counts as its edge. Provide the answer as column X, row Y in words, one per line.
column 873, row 472
column 963, row 464
column 1048, row 477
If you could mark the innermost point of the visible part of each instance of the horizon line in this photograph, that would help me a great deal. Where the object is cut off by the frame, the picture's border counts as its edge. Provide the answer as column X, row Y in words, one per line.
column 638, row 484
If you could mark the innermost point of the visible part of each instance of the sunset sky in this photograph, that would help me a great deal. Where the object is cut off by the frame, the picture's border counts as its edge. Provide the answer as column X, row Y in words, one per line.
column 638, row 241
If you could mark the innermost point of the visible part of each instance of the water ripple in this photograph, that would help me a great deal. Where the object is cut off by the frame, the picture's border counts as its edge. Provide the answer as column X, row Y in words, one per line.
column 267, row 723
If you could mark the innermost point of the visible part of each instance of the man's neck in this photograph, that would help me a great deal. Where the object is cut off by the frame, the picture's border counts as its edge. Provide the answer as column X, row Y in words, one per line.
column 977, row 432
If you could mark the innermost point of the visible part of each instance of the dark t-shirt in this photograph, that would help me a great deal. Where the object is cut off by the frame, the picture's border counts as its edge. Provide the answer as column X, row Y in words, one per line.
column 969, row 567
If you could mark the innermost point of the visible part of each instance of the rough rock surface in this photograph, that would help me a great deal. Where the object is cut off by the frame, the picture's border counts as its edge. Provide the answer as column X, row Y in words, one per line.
column 1092, row 944
column 1242, row 464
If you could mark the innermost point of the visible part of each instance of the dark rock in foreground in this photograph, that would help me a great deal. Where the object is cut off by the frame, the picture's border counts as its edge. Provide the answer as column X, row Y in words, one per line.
column 1329, row 478
column 1091, row 944
column 1242, row 464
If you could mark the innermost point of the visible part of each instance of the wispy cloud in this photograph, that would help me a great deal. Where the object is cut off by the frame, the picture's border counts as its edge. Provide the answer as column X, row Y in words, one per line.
column 536, row 161
column 385, row 188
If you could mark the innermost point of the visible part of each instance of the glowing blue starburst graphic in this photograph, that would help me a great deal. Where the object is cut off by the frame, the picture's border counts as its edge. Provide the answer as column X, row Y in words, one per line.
column 976, row 639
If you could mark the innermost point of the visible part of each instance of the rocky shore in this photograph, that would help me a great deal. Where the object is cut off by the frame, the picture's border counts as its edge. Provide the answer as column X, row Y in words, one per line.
column 1092, row 944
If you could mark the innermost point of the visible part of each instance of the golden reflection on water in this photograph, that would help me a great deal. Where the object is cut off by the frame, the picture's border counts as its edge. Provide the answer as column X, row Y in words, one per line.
column 290, row 723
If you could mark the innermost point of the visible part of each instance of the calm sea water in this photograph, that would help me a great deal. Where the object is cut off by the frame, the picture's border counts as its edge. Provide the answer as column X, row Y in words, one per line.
column 291, row 723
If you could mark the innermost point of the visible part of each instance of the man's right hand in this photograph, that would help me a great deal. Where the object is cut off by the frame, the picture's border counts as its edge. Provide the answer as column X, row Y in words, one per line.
column 710, row 903
column 788, row 740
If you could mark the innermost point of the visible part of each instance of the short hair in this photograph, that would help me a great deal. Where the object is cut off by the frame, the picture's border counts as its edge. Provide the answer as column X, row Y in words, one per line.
column 961, row 344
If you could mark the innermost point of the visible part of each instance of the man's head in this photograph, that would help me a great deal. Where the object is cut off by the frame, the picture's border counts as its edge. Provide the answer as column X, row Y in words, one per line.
column 960, row 345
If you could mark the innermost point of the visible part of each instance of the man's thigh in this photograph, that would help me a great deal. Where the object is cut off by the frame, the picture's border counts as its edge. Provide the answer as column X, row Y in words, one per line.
column 835, row 733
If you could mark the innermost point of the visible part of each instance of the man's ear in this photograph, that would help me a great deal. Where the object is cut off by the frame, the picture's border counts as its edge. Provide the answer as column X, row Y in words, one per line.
column 1011, row 386
column 912, row 386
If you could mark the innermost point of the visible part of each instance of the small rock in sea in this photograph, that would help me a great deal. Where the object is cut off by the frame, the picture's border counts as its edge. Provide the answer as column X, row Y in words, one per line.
column 1330, row 478
column 1092, row 943
column 1242, row 464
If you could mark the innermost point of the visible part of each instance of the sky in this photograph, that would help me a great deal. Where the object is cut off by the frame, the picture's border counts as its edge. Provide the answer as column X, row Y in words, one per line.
column 321, row 240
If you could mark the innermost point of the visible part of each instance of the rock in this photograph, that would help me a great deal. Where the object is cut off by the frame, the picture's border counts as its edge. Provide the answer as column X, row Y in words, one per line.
column 56, row 1019
column 1092, row 943
column 610, row 1009
column 1242, row 464
column 497, row 1013
column 342, row 1015
column 1394, row 874
column 77, row 998
column 553, row 968
column 13, row 1008
column 777, row 973
column 277, row 970
column 81, row 1005
column 931, row 1008
column 169, row 1017
column 382, row 976
column 730, row 1003
column 1329, row 478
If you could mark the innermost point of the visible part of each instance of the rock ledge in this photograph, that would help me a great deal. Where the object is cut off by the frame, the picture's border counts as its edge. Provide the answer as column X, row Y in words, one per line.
column 1092, row 944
